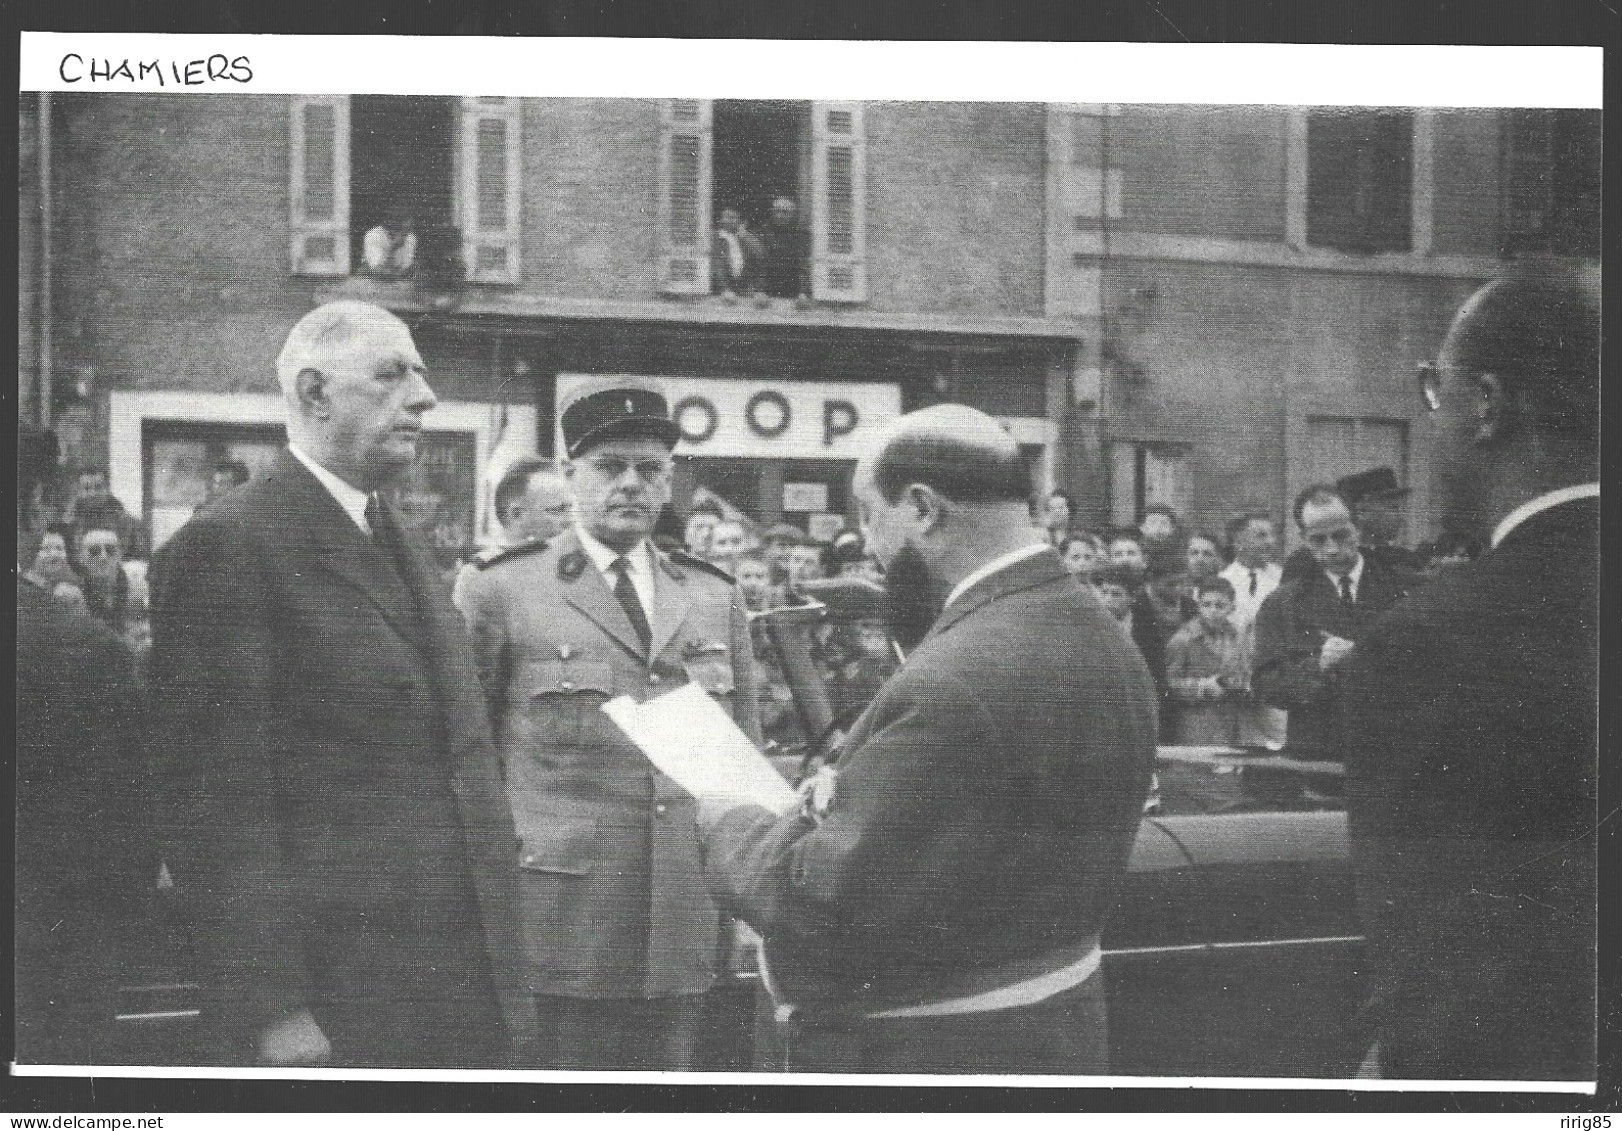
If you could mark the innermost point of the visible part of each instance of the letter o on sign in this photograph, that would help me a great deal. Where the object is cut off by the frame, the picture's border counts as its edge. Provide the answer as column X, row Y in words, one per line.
column 767, row 414
column 696, row 419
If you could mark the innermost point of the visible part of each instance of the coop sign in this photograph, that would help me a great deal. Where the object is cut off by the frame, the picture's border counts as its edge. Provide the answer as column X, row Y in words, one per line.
column 763, row 419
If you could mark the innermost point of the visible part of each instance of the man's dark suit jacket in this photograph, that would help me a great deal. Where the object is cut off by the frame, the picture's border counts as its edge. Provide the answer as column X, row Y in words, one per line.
column 986, row 805
column 85, row 858
column 329, row 767
column 1473, row 808
column 1290, row 630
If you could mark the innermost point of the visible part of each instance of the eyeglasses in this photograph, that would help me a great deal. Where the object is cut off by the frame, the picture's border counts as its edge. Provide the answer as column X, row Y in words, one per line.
column 647, row 470
column 100, row 550
column 1430, row 385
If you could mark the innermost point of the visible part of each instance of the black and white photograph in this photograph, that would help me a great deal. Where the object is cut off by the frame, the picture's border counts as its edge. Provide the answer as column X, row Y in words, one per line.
column 627, row 587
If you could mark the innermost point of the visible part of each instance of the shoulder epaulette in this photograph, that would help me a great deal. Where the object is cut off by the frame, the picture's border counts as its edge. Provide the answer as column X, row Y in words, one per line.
column 507, row 554
column 692, row 561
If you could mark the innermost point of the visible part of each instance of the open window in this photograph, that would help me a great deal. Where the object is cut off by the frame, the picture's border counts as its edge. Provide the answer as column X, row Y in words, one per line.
column 726, row 165
column 400, row 185
column 1360, row 180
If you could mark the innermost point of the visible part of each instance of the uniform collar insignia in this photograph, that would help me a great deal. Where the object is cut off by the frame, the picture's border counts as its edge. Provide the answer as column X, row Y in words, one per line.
column 571, row 565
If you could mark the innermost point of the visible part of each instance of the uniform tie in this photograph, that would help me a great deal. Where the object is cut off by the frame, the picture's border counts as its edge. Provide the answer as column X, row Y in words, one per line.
column 1347, row 597
column 1252, row 583
column 625, row 592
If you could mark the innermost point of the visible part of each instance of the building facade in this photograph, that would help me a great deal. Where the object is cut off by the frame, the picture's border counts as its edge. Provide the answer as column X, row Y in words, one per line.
column 1198, row 305
column 556, row 239
column 1266, row 280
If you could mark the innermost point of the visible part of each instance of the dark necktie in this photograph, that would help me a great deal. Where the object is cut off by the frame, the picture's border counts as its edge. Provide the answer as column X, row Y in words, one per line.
column 388, row 537
column 625, row 592
column 1252, row 583
column 1347, row 597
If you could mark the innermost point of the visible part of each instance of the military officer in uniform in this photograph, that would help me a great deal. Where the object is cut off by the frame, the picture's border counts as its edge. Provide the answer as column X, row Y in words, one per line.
column 532, row 504
column 622, row 936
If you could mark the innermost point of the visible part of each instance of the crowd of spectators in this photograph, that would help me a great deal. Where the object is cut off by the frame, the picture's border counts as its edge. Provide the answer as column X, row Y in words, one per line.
column 1190, row 600
column 1210, row 612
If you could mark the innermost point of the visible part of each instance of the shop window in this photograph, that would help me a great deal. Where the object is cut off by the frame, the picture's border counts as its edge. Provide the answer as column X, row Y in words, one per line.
column 1146, row 474
column 744, row 155
column 1360, row 180
column 179, row 461
column 1551, row 182
column 436, row 499
column 368, row 162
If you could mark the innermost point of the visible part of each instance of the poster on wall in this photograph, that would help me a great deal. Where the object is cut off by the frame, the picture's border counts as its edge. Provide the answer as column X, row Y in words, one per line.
column 438, row 498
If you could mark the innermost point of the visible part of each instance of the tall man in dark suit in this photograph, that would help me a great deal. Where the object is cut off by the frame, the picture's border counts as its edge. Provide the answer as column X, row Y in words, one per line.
column 336, row 805
column 943, row 912
column 621, row 934
column 1473, row 789
column 1311, row 624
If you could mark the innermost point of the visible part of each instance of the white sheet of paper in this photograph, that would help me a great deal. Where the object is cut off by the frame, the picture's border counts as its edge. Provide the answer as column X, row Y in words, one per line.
column 688, row 736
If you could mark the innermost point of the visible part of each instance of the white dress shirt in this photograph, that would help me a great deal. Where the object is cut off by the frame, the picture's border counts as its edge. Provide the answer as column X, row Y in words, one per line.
column 352, row 499
column 640, row 559
column 1246, row 606
column 993, row 566
column 1542, row 503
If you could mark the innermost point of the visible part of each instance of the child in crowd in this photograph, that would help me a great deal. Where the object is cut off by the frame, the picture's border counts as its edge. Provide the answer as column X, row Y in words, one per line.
column 1208, row 669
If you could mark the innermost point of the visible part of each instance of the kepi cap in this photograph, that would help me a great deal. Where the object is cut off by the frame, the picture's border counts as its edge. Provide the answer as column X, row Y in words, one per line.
column 615, row 408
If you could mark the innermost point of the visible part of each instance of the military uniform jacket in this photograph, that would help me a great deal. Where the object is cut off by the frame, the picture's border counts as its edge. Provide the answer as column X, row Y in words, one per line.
column 986, row 805
column 613, row 899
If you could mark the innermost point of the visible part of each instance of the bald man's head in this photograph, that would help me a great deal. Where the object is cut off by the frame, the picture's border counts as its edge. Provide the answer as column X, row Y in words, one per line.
column 960, row 452
column 1537, row 329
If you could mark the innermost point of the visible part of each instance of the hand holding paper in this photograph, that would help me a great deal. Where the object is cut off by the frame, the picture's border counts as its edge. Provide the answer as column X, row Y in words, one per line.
column 688, row 736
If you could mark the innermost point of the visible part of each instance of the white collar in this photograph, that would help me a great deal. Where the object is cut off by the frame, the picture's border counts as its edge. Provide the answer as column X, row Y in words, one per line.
column 351, row 498
column 1240, row 569
column 1542, row 503
column 603, row 557
column 993, row 566
column 1355, row 573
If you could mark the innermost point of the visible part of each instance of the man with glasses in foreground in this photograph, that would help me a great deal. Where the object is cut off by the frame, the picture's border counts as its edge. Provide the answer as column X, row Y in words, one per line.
column 1473, row 791
column 621, row 935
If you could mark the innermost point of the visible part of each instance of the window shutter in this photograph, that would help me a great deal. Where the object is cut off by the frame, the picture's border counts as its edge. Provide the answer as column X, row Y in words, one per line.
column 838, row 202
column 489, row 189
column 319, row 220
column 684, row 196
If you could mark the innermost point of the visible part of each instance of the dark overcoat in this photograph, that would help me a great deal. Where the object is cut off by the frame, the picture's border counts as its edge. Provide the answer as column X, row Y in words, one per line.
column 985, row 808
column 1472, row 791
column 1290, row 631
column 328, row 767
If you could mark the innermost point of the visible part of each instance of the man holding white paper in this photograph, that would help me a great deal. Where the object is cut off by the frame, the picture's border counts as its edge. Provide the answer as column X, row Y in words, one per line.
column 942, row 911
column 622, row 936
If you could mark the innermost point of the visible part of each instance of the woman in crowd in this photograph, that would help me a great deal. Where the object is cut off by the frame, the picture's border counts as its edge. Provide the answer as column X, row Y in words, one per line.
column 1203, row 560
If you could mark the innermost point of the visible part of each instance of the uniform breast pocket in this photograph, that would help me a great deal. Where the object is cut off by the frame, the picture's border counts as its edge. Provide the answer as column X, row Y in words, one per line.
column 557, row 834
column 563, row 710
